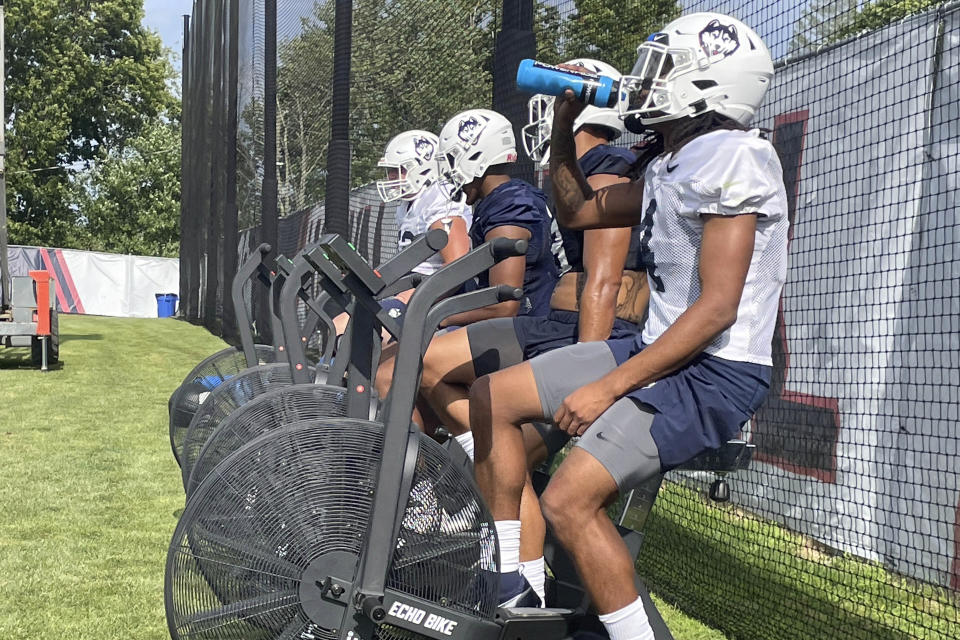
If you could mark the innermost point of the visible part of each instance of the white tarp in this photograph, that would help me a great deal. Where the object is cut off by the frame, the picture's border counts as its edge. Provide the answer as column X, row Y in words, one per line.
column 923, row 474
column 103, row 284
column 120, row 285
column 858, row 443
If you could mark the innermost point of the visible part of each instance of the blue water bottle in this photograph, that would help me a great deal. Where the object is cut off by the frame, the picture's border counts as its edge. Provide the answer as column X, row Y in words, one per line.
column 551, row 80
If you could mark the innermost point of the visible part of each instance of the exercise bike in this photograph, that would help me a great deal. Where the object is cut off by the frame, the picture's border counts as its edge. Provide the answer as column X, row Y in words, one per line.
column 324, row 394
column 227, row 363
column 252, row 382
column 347, row 528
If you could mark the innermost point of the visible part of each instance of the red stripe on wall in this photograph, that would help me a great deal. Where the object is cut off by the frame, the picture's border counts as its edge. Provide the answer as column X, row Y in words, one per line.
column 69, row 282
column 48, row 265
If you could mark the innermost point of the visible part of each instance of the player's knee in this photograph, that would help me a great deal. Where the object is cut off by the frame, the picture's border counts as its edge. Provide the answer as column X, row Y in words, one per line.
column 481, row 399
column 489, row 400
column 560, row 509
column 433, row 371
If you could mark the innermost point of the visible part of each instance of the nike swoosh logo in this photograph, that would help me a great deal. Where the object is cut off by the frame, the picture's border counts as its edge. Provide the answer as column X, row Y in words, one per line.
column 670, row 169
column 600, row 436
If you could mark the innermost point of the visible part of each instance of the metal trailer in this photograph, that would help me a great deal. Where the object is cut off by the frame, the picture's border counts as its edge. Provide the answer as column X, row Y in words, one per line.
column 30, row 319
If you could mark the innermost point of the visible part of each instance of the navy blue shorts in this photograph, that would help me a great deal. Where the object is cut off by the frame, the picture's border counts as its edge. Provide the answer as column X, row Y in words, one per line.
column 539, row 334
column 699, row 406
column 503, row 342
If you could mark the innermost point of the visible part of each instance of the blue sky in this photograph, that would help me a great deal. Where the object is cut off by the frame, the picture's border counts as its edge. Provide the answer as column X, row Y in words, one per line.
column 166, row 18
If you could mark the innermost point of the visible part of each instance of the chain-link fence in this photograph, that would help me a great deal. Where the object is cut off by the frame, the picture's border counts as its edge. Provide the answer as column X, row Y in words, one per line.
column 848, row 523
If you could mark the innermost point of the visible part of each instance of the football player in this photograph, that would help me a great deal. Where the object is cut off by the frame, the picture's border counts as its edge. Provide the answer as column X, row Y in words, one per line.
column 476, row 149
column 410, row 163
column 709, row 195
column 602, row 295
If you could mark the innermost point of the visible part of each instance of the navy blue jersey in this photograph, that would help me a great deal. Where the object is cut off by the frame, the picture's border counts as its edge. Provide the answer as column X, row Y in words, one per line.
column 517, row 203
column 602, row 160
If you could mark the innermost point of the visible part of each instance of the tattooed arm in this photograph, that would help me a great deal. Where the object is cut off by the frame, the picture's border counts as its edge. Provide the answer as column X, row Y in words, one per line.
column 578, row 205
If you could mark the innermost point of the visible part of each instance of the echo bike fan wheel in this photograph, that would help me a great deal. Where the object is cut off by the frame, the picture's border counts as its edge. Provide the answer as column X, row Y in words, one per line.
column 261, row 532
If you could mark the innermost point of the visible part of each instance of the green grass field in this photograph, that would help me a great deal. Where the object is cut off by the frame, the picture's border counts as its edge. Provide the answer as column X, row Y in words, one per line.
column 784, row 586
column 90, row 489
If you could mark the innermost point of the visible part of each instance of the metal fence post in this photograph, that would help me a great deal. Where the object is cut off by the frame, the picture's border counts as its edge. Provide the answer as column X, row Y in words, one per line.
column 187, row 254
column 337, row 198
column 228, row 253
column 514, row 42
column 269, row 214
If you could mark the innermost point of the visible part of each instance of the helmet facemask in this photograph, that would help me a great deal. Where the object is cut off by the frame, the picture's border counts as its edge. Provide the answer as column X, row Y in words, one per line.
column 452, row 176
column 649, row 92
column 410, row 162
column 397, row 185
column 536, row 134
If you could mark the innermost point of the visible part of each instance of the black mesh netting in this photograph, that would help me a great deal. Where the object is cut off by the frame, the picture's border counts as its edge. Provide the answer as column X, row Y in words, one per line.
column 302, row 494
column 847, row 524
column 387, row 96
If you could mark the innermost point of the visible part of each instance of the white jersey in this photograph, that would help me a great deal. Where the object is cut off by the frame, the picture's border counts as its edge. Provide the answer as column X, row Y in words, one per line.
column 415, row 217
column 722, row 173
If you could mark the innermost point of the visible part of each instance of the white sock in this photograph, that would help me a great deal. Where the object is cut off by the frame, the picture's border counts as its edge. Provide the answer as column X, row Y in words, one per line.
column 629, row 623
column 466, row 441
column 508, row 534
column 535, row 571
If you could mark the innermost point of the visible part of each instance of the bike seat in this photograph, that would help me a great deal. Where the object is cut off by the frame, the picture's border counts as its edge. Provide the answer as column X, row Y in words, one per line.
column 733, row 455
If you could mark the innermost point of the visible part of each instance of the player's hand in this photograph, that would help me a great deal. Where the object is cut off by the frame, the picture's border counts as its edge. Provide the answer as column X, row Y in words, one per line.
column 566, row 109
column 582, row 407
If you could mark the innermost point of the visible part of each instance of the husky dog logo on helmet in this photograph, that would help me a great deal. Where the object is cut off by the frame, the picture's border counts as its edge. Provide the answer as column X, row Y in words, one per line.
column 470, row 130
column 423, row 148
column 719, row 39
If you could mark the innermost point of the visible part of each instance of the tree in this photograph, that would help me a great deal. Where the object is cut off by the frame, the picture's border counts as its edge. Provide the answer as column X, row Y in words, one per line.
column 883, row 12
column 820, row 23
column 829, row 21
column 547, row 25
column 415, row 64
column 83, row 78
column 129, row 200
column 611, row 30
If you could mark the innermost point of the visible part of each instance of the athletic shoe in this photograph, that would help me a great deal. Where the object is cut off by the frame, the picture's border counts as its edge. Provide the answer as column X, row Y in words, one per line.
column 515, row 591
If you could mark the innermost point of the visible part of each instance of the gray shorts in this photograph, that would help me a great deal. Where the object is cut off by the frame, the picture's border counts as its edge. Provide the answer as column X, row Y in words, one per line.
column 494, row 346
column 620, row 438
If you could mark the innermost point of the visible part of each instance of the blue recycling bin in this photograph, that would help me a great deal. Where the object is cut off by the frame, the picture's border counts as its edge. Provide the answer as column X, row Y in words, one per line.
column 166, row 305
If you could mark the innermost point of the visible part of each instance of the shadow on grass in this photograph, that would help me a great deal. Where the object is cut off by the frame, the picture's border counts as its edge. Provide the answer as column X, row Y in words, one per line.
column 76, row 337
column 17, row 358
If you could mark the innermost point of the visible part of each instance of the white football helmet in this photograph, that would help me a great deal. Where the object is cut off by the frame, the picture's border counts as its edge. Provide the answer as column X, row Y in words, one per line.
column 700, row 62
column 412, row 159
column 536, row 135
column 470, row 143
